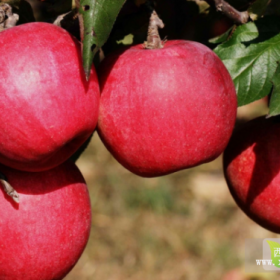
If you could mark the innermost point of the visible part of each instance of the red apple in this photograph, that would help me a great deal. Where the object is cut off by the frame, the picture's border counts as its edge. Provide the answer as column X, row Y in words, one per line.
column 47, row 107
column 44, row 235
column 166, row 109
column 251, row 167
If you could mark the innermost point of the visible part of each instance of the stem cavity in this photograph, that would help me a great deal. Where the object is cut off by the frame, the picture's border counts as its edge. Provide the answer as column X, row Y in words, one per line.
column 7, row 18
column 153, row 39
column 9, row 190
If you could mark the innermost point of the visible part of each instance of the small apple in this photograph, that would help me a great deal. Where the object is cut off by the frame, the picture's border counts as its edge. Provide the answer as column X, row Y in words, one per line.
column 163, row 110
column 251, row 168
column 44, row 235
column 48, row 109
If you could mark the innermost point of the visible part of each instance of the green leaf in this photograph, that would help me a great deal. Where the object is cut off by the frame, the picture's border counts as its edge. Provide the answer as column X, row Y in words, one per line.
column 222, row 38
column 98, row 18
column 243, row 33
column 274, row 247
column 274, row 104
column 258, row 8
column 251, row 56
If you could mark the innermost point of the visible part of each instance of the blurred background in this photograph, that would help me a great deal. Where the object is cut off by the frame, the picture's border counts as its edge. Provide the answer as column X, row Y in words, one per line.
column 181, row 226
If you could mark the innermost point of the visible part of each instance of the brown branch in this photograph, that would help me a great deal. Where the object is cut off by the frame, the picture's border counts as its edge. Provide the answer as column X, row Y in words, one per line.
column 7, row 18
column 229, row 11
column 153, row 39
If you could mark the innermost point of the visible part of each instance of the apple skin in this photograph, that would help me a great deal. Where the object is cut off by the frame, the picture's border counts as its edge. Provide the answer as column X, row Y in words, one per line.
column 44, row 235
column 251, row 168
column 48, row 109
column 167, row 109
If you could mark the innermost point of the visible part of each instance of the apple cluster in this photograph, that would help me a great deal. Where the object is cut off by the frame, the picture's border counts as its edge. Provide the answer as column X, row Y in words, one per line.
column 157, row 111
column 48, row 110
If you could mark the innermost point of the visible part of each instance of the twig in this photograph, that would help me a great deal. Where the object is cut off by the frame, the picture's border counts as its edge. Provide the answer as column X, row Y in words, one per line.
column 70, row 16
column 7, row 18
column 229, row 11
column 9, row 190
column 153, row 39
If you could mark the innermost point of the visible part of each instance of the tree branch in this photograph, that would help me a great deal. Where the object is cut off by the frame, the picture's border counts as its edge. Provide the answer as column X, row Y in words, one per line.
column 153, row 39
column 229, row 11
column 7, row 18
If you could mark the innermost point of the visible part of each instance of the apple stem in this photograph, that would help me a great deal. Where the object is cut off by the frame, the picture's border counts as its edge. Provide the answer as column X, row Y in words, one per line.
column 229, row 11
column 153, row 39
column 9, row 190
column 7, row 18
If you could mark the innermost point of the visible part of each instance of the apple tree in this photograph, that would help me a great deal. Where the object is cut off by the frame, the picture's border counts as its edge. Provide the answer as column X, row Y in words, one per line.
column 248, row 48
column 170, row 77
